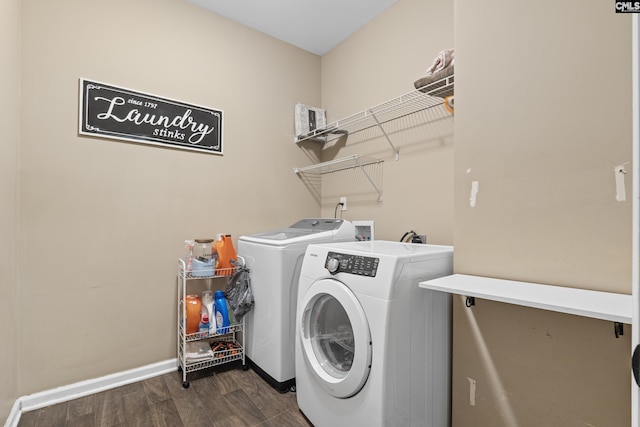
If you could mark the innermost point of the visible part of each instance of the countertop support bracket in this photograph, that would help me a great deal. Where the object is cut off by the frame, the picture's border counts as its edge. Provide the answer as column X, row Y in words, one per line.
column 618, row 329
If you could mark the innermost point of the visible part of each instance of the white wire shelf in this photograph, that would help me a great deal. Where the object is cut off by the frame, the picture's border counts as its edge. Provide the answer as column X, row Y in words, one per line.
column 224, row 331
column 351, row 162
column 426, row 97
column 336, row 165
column 211, row 273
column 205, row 273
column 221, row 356
column 423, row 98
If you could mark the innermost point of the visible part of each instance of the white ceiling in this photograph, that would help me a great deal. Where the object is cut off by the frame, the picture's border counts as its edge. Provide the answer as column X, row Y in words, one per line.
column 313, row 25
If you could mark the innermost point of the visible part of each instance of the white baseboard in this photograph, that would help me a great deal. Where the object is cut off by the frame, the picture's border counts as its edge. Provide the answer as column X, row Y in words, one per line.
column 85, row 388
column 14, row 415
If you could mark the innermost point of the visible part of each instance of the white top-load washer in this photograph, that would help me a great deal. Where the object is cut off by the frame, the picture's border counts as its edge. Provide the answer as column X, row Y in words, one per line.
column 274, row 259
column 372, row 347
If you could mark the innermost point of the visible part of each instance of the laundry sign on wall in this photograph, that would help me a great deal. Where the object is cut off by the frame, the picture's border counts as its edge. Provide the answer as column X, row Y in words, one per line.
column 112, row 112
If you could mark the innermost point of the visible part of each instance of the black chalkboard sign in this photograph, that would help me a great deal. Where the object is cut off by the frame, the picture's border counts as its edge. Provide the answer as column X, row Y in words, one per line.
column 112, row 112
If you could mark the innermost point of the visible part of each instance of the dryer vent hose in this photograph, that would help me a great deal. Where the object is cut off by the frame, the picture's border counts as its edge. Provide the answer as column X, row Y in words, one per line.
column 412, row 236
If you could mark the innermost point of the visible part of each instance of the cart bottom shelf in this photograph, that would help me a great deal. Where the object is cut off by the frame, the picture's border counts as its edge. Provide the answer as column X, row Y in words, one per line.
column 207, row 371
column 208, row 363
column 223, row 351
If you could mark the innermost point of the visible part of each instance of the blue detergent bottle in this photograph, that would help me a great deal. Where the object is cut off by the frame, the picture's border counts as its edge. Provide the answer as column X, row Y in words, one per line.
column 222, row 315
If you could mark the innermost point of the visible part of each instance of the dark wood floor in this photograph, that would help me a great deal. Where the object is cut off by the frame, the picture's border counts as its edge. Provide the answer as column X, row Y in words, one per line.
column 225, row 398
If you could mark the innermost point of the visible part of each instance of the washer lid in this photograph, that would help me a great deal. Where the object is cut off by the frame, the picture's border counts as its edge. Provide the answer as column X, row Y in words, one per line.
column 335, row 337
column 308, row 229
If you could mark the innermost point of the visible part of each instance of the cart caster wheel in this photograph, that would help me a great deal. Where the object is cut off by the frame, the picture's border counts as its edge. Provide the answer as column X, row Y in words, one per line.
column 245, row 367
column 185, row 384
column 292, row 389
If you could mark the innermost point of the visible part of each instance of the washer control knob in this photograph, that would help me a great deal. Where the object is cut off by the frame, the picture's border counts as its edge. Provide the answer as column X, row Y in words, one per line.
column 333, row 265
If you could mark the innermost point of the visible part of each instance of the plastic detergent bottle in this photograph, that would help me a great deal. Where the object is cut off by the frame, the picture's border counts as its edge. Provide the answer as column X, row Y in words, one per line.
column 203, row 329
column 207, row 301
column 226, row 253
column 222, row 315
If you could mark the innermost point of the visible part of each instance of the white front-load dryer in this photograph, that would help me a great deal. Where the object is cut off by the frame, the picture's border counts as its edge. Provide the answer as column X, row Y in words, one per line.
column 372, row 347
column 274, row 259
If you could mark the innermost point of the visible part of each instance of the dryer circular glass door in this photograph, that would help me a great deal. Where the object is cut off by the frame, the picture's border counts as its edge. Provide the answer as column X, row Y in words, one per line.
column 335, row 336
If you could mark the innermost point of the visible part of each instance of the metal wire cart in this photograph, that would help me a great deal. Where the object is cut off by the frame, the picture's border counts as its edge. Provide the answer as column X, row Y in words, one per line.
column 217, row 346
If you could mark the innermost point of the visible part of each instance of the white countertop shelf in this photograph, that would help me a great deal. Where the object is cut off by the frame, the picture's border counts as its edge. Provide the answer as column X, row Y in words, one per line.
column 582, row 302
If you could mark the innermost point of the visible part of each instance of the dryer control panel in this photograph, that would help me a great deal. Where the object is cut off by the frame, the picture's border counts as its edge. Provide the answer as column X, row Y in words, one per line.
column 352, row 264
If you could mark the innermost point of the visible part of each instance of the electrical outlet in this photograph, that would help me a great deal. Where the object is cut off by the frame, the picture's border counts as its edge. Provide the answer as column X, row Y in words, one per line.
column 343, row 200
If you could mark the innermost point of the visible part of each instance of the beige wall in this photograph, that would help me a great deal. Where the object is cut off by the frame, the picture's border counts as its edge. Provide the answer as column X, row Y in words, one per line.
column 543, row 115
column 103, row 222
column 378, row 63
column 10, row 125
